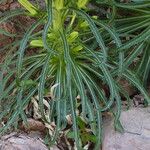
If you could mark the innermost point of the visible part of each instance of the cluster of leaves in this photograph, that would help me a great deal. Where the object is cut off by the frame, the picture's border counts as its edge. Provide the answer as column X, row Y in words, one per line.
column 79, row 54
column 131, row 22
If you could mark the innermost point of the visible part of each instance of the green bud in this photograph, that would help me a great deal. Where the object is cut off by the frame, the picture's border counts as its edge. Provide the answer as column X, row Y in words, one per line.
column 59, row 4
column 84, row 24
column 77, row 48
column 95, row 17
column 28, row 6
column 82, row 3
column 72, row 37
column 36, row 43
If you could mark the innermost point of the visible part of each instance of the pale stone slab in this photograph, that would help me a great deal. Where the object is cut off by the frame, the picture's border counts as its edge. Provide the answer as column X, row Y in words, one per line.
column 22, row 142
column 136, row 123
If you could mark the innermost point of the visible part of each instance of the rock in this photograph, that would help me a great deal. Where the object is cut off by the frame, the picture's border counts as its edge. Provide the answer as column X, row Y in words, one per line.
column 136, row 123
column 15, row 141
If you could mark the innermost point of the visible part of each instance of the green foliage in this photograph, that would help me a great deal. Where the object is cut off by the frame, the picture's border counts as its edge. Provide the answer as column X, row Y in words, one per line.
column 80, row 54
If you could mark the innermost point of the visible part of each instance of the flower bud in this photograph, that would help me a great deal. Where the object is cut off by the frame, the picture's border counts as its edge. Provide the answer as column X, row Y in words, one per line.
column 28, row 6
column 82, row 3
column 73, row 36
column 36, row 43
column 59, row 4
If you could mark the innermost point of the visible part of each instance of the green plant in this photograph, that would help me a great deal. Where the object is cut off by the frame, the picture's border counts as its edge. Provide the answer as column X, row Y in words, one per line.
column 76, row 54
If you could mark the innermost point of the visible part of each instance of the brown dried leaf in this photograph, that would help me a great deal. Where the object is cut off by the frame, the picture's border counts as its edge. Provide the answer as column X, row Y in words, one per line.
column 33, row 125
